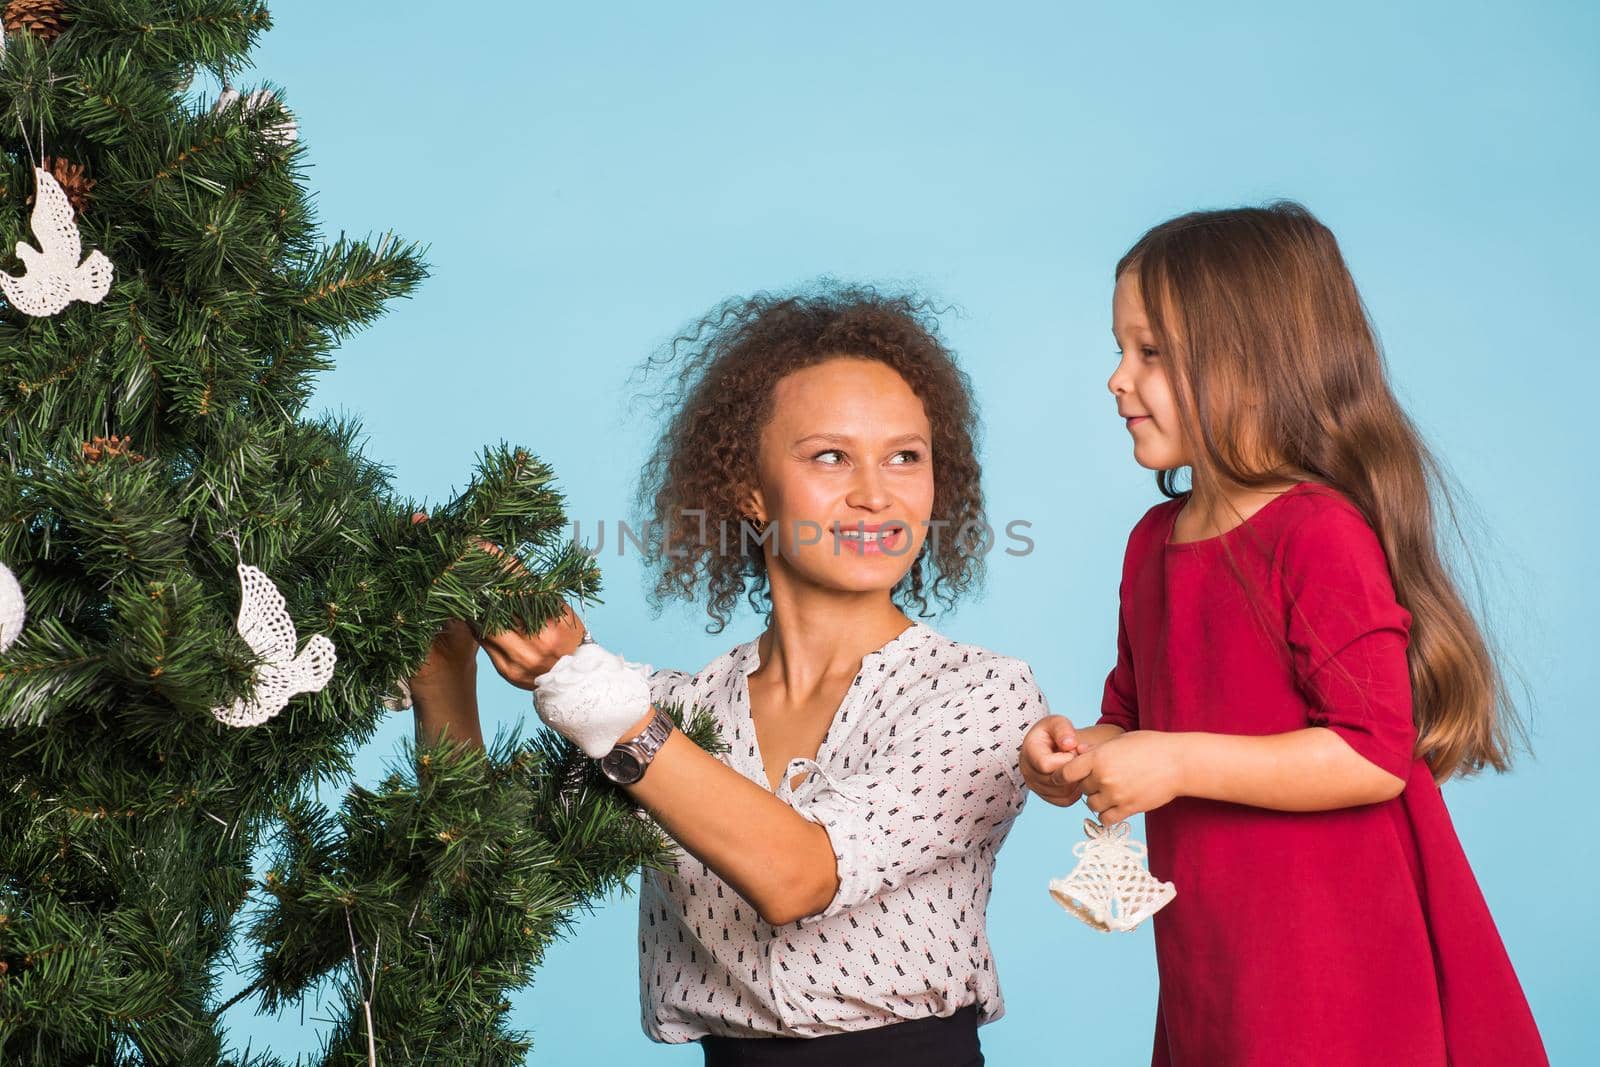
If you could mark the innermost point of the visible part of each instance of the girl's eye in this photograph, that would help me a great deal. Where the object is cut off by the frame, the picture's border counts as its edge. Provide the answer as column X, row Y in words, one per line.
column 1148, row 353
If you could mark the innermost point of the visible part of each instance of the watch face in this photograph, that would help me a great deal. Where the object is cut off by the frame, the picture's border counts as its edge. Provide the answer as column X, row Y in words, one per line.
column 622, row 766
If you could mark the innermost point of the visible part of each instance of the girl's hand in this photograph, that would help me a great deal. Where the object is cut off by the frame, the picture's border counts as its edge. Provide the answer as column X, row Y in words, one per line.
column 1137, row 772
column 1050, row 744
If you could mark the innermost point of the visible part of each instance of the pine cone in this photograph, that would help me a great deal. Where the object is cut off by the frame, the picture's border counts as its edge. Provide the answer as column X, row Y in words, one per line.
column 73, row 181
column 44, row 19
column 110, row 448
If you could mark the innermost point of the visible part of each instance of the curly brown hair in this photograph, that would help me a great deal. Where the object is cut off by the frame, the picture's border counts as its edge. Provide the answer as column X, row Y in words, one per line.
column 719, row 398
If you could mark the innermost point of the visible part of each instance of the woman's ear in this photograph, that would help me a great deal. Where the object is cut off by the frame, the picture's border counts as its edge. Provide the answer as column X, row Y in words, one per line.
column 753, row 507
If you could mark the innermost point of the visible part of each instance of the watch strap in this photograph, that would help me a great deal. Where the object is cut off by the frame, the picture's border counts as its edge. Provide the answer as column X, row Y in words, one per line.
column 649, row 742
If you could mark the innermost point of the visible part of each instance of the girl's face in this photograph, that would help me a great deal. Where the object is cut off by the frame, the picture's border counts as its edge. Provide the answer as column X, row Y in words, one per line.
column 846, row 476
column 1145, row 396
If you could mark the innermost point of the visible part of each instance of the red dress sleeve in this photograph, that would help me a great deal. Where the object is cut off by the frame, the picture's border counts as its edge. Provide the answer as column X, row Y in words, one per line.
column 1348, row 635
column 1120, row 704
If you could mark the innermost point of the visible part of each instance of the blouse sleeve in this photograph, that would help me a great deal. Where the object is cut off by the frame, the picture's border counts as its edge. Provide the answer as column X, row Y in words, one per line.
column 1348, row 635
column 1119, row 705
column 946, row 786
column 668, row 686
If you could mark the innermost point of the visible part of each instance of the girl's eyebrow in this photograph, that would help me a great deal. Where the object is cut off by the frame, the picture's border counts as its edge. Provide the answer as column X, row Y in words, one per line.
column 845, row 439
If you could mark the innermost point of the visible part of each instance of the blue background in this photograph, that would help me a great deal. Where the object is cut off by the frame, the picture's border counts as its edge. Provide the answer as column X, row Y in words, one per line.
column 591, row 177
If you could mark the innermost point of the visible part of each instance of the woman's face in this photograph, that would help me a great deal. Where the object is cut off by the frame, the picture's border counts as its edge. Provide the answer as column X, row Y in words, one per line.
column 846, row 476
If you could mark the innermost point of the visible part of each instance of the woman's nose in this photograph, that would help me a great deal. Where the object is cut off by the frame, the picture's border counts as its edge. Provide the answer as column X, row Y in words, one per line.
column 868, row 491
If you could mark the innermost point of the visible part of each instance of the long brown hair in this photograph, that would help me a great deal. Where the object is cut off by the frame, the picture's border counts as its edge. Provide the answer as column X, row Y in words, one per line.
column 719, row 398
column 1272, row 354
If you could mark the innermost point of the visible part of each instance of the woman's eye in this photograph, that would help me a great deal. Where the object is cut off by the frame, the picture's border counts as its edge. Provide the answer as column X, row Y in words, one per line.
column 908, row 455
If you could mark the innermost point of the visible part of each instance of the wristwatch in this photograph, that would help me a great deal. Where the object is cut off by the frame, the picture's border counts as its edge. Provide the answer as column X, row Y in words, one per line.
column 627, row 763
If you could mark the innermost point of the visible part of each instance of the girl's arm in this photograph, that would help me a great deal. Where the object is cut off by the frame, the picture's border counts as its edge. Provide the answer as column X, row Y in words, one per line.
column 1347, row 640
column 1313, row 769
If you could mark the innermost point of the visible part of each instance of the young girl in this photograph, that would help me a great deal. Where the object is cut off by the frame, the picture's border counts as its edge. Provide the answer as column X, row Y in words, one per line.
column 1295, row 675
column 828, row 903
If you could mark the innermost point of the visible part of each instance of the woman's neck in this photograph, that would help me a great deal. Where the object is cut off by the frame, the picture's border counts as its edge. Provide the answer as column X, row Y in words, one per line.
column 819, row 636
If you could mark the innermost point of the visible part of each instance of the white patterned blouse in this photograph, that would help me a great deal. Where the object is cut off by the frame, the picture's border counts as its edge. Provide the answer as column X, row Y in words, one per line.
column 917, row 784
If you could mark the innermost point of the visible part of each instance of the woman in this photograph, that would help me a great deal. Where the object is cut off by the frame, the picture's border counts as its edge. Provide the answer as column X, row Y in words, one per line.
column 835, row 865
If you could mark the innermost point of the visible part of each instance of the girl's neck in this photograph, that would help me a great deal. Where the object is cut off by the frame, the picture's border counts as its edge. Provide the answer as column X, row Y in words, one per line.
column 1213, row 513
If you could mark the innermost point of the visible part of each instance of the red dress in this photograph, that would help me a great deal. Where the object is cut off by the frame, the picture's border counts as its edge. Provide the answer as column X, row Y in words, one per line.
column 1356, row 936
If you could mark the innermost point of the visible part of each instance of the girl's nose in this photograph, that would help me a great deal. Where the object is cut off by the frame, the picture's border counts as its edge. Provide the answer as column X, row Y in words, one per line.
column 1118, row 382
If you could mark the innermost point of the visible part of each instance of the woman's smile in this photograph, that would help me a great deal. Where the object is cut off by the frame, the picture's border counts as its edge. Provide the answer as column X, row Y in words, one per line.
column 870, row 539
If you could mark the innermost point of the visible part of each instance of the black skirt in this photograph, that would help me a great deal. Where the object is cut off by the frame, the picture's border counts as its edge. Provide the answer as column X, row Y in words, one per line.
column 930, row 1042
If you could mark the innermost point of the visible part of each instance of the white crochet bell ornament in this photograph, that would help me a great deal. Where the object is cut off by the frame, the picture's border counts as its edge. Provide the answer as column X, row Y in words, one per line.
column 1111, row 888
column 13, row 608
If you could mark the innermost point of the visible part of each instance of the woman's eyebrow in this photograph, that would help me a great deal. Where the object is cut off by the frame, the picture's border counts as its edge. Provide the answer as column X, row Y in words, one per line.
column 846, row 439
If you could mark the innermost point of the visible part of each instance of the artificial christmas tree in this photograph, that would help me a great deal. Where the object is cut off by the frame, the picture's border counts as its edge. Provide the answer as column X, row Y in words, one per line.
column 158, row 456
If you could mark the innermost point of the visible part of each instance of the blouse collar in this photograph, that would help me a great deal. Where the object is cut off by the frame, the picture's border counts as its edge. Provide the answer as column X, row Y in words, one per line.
column 747, row 657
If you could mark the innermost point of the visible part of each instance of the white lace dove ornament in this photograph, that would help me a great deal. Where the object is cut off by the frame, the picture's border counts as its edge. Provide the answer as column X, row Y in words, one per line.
column 592, row 697
column 268, row 630
column 13, row 608
column 54, row 276
column 1111, row 888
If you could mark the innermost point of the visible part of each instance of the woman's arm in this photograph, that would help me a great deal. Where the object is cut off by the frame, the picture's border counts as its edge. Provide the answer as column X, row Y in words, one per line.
column 444, row 692
column 1313, row 769
column 774, row 858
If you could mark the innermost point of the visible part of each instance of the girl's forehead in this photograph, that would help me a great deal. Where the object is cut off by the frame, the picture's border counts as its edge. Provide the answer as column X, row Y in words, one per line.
column 1127, row 301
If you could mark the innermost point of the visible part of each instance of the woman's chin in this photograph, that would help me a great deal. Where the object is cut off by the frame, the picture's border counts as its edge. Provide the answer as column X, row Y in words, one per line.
column 877, row 573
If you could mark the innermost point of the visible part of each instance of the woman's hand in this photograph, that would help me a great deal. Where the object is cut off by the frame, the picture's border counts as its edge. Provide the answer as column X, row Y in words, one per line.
column 1136, row 772
column 1049, row 745
column 521, row 658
